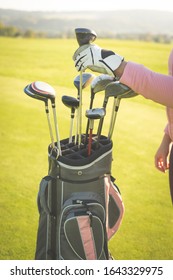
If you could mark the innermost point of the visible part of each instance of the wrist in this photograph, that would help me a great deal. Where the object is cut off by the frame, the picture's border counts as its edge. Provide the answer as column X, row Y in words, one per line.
column 166, row 142
column 166, row 138
column 120, row 70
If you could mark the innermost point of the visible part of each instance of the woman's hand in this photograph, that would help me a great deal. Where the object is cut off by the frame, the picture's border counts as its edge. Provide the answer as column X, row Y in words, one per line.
column 162, row 154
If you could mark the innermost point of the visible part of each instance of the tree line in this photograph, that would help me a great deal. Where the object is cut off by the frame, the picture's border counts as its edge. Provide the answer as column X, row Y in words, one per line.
column 12, row 31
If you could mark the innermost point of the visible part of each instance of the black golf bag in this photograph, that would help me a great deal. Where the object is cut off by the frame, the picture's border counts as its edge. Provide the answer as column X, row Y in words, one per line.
column 80, row 207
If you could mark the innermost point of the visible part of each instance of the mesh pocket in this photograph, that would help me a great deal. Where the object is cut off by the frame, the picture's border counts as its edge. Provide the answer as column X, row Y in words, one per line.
column 82, row 228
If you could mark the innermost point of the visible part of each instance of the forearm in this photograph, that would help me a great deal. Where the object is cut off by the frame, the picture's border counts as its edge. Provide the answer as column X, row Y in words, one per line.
column 151, row 85
column 166, row 140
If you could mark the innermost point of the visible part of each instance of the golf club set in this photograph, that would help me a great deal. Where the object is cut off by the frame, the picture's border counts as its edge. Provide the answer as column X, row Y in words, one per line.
column 80, row 206
column 81, row 144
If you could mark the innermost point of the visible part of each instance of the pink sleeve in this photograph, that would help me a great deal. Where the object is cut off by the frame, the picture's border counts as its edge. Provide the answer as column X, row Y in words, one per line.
column 151, row 85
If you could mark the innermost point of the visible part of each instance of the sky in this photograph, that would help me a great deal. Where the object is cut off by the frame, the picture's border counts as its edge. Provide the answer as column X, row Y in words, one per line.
column 94, row 5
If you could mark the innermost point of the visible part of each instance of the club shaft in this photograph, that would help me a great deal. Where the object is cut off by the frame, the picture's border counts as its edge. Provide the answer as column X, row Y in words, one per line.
column 115, row 111
column 91, row 127
column 90, row 107
column 80, row 110
column 71, row 130
column 77, row 125
column 90, row 142
column 113, row 117
column 99, row 130
column 49, row 125
column 56, row 129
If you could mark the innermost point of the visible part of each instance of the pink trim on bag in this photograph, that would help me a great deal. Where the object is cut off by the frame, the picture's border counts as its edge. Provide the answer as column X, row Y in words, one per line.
column 111, row 191
column 87, row 237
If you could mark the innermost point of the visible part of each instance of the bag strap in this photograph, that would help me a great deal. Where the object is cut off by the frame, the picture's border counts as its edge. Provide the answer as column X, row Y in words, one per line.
column 42, row 194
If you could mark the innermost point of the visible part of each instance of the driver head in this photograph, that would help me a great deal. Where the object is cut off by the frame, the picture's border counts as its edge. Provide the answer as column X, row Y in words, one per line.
column 85, row 36
column 29, row 91
column 43, row 89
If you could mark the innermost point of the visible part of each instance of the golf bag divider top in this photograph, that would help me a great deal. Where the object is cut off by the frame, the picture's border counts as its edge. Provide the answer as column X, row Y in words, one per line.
column 79, row 205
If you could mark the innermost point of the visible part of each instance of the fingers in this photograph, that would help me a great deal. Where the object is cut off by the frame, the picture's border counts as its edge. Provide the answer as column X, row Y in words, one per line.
column 79, row 64
column 161, row 164
column 81, row 57
column 80, row 51
column 84, row 56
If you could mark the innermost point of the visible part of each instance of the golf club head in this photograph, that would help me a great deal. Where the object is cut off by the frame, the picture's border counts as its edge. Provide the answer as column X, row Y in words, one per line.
column 85, row 36
column 43, row 89
column 86, row 80
column 117, row 89
column 100, row 82
column 70, row 101
column 29, row 91
column 95, row 113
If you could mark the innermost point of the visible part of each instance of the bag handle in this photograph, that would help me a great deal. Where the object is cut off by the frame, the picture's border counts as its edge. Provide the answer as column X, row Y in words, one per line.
column 42, row 200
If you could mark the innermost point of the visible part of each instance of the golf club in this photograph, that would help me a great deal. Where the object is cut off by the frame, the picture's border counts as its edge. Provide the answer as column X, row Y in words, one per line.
column 28, row 90
column 98, row 84
column 93, row 114
column 84, row 36
column 128, row 93
column 84, row 82
column 87, row 78
column 113, row 89
column 45, row 90
column 73, row 104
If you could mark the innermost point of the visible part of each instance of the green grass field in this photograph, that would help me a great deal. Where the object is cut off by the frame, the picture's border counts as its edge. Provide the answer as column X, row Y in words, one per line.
column 146, row 231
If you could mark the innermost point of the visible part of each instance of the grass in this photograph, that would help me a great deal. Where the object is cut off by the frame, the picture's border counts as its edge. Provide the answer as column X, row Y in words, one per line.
column 146, row 231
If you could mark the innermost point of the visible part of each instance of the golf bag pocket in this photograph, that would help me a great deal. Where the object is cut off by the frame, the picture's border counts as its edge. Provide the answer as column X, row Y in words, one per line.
column 47, row 219
column 114, row 207
column 82, row 227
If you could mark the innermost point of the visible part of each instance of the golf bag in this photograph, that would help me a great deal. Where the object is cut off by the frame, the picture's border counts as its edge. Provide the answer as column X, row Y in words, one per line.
column 80, row 207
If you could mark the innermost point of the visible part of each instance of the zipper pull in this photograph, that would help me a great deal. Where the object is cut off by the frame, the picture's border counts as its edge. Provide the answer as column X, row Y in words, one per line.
column 78, row 201
column 90, row 217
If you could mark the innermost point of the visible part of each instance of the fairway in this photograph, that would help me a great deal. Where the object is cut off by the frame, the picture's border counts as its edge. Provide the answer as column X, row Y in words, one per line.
column 146, row 231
